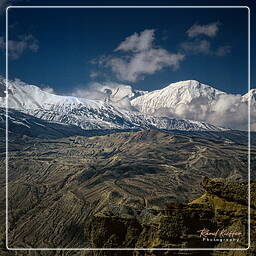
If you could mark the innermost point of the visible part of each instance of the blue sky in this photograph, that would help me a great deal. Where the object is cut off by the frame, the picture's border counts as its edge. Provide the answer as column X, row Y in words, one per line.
column 67, row 49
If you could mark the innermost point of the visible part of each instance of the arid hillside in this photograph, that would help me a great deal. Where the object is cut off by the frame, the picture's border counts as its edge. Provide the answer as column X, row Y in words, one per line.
column 56, row 186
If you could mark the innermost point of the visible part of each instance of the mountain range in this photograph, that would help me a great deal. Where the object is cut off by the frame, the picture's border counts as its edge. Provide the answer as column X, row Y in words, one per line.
column 142, row 109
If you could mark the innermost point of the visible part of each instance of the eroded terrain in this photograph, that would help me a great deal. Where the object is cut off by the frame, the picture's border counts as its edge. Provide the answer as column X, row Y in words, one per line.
column 57, row 186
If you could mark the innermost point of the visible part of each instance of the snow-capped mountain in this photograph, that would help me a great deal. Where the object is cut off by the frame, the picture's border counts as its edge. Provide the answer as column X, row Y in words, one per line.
column 176, row 94
column 250, row 95
column 88, row 114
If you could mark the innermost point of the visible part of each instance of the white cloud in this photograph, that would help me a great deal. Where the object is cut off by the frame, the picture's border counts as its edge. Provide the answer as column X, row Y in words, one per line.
column 210, row 30
column 197, row 46
column 118, row 94
column 94, row 91
column 138, row 41
column 141, row 57
column 18, row 47
column 228, row 111
column 138, row 55
column 144, row 63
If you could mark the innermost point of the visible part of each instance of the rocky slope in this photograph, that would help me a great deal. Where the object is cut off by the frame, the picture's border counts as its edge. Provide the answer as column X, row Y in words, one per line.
column 56, row 185
column 222, row 209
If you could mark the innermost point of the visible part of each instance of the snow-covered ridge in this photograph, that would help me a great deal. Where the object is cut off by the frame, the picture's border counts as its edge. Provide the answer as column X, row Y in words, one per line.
column 30, row 97
column 175, row 94
column 102, row 114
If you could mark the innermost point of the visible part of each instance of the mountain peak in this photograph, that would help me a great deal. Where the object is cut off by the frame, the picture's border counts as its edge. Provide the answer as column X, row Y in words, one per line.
column 186, row 83
column 176, row 94
column 189, row 84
